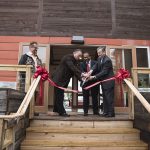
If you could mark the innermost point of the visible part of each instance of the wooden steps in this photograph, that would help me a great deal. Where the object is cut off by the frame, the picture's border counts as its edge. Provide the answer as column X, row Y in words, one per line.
column 82, row 135
column 82, row 148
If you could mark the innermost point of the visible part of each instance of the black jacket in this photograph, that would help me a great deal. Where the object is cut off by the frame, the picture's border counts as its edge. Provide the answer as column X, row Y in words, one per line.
column 67, row 69
column 28, row 60
column 104, row 70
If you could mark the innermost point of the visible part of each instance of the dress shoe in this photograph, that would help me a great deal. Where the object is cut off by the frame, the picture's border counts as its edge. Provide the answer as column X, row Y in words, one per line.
column 85, row 114
column 64, row 115
column 104, row 114
column 96, row 113
column 110, row 115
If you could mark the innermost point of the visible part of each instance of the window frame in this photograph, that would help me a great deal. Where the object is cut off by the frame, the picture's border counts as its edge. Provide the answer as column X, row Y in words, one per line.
column 148, row 57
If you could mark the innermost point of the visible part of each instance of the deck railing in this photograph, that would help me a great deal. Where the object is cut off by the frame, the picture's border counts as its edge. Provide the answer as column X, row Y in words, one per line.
column 7, row 134
column 6, row 141
column 134, row 91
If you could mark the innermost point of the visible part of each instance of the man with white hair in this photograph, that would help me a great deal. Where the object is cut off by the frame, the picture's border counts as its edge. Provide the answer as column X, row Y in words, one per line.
column 104, row 69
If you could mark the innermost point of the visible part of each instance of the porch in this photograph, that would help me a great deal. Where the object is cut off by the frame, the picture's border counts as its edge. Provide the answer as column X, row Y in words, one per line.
column 123, row 114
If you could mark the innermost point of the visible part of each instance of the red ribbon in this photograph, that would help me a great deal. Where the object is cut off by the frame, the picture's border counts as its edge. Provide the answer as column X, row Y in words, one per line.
column 45, row 76
column 120, row 76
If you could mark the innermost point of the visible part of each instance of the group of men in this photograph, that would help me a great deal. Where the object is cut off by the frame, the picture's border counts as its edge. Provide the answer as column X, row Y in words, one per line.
column 88, row 72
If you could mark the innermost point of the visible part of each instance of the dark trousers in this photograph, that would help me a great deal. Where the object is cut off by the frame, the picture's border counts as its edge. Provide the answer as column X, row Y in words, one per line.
column 58, row 101
column 94, row 93
column 108, row 100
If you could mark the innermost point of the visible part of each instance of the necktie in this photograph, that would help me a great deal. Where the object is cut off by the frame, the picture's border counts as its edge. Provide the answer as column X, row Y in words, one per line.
column 88, row 67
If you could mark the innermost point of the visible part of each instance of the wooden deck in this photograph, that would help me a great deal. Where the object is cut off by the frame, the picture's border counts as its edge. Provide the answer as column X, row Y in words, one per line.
column 75, row 116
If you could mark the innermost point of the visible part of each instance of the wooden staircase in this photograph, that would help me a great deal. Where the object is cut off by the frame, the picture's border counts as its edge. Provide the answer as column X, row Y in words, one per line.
column 82, row 135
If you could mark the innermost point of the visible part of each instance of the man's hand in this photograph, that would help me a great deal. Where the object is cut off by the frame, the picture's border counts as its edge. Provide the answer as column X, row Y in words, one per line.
column 84, row 75
column 92, row 77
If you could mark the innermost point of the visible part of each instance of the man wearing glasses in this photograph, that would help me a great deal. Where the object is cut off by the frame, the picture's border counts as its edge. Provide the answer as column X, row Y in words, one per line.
column 29, row 58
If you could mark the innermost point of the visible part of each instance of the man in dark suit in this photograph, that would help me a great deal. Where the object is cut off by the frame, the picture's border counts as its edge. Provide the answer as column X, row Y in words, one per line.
column 69, row 66
column 86, row 66
column 105, row 70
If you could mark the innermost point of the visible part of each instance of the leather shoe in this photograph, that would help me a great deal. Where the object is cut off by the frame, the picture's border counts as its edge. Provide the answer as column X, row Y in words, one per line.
column 96, row 114
column 64, row 115
column 85, row 114
column 110, row 115
column 104, row 114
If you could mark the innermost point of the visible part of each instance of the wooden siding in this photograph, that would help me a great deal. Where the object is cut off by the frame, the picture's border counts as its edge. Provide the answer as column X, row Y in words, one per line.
column 90, row 18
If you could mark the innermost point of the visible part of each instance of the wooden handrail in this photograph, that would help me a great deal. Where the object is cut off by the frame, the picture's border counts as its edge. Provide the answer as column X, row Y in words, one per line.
column 138, row 95
column 5, row 67
column 134, row 88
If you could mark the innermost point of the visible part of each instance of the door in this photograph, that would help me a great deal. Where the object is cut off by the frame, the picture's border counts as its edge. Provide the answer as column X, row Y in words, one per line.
column 43, row 53
column 122, row 57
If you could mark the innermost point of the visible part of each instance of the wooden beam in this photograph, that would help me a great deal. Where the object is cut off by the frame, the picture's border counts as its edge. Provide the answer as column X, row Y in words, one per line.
column 14, row 67
column 28, row 97
column 1, row 133
column 138, row 95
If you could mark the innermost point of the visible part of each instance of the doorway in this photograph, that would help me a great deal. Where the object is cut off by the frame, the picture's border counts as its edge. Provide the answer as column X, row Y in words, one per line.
column 71, row 100
column 121, row 56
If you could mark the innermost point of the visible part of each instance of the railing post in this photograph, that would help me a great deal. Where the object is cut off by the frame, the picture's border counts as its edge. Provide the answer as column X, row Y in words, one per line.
column 28, row 78
column 131, row 102
column 32, row 103
column 135, row 77
column 1, row 133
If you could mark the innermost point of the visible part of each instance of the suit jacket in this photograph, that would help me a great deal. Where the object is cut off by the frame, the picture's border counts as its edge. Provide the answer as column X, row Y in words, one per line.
column 84, row 65
column 105, row 70
column 84, row 69
column 68, row 67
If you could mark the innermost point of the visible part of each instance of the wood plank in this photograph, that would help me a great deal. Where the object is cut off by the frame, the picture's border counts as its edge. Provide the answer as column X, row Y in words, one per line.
column 83, row 137
column 1, row 133
column 57, row 123
column 79, row 124
column 9, row 54
column 81, row 148
column 82, row 130
column 77, row 143
column 138, row 95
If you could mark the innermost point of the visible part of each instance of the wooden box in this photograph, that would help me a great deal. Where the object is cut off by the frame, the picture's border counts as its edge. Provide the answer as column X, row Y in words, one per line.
column 10, row 100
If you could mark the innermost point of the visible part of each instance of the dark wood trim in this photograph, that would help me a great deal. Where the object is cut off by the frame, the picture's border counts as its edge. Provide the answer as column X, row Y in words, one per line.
column 113, row 15
column 40, row 17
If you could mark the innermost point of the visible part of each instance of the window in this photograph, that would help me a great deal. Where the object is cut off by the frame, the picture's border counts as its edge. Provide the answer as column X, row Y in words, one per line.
column 143, row 60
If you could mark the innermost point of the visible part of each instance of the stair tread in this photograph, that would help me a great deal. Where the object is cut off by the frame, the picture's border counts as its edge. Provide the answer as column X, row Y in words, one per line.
column 63, row 143
column 78, row 124
column 82, row 148
column 82, row 130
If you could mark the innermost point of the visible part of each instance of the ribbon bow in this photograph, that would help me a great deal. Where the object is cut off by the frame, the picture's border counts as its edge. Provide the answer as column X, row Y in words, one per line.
column 45, row 76
column 122, row 74
column 43, row 72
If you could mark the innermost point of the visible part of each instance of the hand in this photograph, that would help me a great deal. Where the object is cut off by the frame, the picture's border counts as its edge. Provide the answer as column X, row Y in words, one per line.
column 90, row 72
column 92, row 77
column 85, row 75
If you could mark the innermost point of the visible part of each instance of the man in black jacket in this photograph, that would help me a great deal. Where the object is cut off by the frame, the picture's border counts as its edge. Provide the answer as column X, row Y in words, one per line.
column 105, row 70
column 29, row 58
column 68, row 67
column 86, row 66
